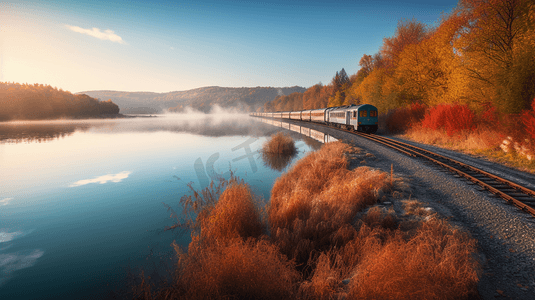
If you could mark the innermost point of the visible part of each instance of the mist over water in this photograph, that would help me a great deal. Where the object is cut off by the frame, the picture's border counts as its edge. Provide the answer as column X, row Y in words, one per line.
column 216, row 124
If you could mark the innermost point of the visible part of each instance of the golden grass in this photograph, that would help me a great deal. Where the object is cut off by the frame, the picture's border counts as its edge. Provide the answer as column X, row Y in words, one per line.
column 240, row 269
column 481, row 141
column 236, row 214
column 475, row 140
column 278, row 151
column 437, row 263
column 279, row 143
column 315, row 245
column 316, row 198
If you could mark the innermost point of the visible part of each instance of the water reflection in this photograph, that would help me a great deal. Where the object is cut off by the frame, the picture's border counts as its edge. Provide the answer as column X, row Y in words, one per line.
column 10, row 262
column 211, row 125
column 304, row 131
column 19, row 132
column 277, row 161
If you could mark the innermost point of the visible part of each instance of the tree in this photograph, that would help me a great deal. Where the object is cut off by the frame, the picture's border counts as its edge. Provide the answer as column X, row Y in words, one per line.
column 498, row 48
column 408, row 32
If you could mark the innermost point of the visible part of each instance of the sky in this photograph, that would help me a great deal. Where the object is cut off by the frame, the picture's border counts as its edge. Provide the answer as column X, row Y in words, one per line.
column 163, row 46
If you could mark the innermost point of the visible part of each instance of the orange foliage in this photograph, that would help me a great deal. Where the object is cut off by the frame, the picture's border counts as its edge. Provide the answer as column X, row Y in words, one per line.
column 436, row 263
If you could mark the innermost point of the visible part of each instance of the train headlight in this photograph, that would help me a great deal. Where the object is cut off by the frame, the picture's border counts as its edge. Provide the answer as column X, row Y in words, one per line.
column 376, row 123
column 360, row 123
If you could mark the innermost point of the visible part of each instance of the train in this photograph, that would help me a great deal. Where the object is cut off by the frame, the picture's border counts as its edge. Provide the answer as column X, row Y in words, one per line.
column 363, row 117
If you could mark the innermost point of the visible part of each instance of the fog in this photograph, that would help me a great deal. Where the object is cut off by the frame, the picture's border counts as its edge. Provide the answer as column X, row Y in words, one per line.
column 219, row 122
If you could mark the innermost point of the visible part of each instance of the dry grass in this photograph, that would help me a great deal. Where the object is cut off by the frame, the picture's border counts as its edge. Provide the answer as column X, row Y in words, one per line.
column 377, row 217
column 457, row 127
column 236, row 214
column 279, row 143
column 315, row 244
column 278, row 151
column 316, row 198
column 475, row 140
column 437, row 263
column 238, row 270
column 414, row 207
column 481, row 141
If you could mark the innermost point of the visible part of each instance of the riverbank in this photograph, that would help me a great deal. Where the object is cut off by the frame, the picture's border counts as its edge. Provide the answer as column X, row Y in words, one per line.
column 333, row 229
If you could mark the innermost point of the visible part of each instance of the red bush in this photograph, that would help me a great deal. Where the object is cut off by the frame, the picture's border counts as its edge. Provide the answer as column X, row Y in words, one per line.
column 489, row 117
column 528, row 119
column 452, row 118
column 401, row 119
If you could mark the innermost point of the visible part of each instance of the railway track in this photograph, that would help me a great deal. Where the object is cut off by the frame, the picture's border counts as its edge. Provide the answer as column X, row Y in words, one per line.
column 515, row 194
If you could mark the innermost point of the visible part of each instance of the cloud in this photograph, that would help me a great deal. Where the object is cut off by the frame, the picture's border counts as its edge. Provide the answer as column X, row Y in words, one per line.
column 103, row 179
column 9, row 236
column 5, row 201
column 95, row 32
column 15, row 261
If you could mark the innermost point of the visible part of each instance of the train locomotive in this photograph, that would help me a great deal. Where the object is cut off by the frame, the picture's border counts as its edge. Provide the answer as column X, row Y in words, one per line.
column 363, row 118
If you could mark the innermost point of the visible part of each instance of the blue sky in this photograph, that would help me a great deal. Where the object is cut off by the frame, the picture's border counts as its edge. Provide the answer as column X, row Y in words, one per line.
column 162, row 46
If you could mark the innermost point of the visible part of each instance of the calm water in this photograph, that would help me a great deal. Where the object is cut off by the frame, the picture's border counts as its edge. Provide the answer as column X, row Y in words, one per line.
column 81, row 202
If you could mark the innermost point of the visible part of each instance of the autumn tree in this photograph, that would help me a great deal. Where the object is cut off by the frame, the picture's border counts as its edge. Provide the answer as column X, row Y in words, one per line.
column 340, row 84
column 408, row 32
column 38, row 101
column 497, row 42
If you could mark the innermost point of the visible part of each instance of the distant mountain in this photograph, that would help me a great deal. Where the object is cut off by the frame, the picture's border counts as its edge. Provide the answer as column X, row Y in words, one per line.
column 245, row 99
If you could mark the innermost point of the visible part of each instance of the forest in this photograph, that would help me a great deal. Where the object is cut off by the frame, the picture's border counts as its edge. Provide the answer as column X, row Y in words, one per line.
column 481, row 55
column 39, row 102
column 472, row 74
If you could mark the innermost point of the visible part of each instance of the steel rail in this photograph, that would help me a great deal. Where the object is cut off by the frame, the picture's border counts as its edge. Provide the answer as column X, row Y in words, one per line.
column 415, row 151
column 418, row 152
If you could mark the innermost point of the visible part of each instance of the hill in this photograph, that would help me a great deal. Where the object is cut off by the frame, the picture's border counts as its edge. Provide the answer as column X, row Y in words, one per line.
column 244, row 98
column 41, row 102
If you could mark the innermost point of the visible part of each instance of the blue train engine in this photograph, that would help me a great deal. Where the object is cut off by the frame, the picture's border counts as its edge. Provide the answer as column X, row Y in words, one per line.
column 363, row 118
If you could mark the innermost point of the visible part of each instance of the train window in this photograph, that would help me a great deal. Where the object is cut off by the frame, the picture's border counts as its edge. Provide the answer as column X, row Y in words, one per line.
column 363, row 113
column 373, row 113
column 354, row 114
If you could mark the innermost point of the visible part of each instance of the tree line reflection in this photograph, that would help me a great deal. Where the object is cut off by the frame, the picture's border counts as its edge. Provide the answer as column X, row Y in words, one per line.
column 201, row 124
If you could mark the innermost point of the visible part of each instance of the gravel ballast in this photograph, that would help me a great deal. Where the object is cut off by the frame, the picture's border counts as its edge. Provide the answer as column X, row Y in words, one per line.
column 506, row 235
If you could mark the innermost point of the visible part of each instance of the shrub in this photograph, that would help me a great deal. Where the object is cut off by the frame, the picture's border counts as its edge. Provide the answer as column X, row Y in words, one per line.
column 279, row 143
column 528, row 119
column 402, row 119
column 489, row 118
column 452, row 118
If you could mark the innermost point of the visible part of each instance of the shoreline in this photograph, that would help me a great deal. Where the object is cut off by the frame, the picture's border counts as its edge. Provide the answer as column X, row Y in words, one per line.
column 97, row 117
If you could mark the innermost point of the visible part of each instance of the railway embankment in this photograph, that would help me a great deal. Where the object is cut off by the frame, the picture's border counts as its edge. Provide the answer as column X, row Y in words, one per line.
column 505, row 235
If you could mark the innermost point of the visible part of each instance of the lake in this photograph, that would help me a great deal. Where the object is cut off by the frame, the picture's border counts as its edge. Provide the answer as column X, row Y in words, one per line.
column 82, row 202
